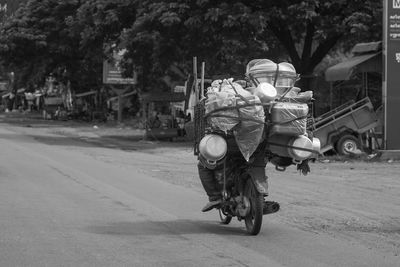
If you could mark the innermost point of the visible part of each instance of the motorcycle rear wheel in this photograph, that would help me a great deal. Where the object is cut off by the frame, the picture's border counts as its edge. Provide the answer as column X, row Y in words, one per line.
column 253, row 220
column 225, row 218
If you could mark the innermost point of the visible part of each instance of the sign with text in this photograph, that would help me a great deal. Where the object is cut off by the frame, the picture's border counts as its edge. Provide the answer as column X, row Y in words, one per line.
column 391, row 90
column 112, row 72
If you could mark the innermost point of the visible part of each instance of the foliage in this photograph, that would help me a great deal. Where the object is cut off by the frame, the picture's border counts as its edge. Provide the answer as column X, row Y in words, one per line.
column 71, row 38
column 99, row 24
column 66, row 38
column 167, row 34
column 35, row 41
column 310, row 29
column 226, row 34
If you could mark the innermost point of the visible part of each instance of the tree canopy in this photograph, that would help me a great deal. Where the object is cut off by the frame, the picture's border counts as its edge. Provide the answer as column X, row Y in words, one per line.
column 309, row 30
column 227, row 34
column 36, row 41
column 71, row 38
column 63, row 37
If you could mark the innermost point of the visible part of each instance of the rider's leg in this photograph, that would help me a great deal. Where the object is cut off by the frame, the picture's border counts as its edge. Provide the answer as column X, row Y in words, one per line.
column 209, row 183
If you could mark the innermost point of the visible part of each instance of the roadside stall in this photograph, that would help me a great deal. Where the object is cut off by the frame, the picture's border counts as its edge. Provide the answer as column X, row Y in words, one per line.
column 84, row 105
column 117, row 104
column 159, row 115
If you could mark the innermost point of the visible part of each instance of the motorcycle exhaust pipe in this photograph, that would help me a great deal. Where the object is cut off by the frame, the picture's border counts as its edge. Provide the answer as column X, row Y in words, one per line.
column 270, row 207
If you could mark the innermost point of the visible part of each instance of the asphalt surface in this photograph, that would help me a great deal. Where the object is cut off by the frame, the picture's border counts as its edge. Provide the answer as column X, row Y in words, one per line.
column 72, row 194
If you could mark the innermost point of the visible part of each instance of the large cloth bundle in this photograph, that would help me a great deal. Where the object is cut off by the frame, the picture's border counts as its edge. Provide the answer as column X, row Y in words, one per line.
column 230, row 108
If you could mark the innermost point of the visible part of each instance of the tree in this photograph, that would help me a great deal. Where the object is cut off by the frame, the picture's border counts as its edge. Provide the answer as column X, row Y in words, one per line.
column 226, row 34
column 34, row 42
column 72, row 38
column 167, row 34
column 66, row 38
column 99, row 24
column 310, row 29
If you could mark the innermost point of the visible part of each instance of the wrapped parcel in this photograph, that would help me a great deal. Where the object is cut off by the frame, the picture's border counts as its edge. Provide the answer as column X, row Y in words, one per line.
column 229, row 107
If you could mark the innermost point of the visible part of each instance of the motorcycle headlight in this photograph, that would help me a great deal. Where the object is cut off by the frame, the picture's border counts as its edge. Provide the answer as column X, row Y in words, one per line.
column 213, row 147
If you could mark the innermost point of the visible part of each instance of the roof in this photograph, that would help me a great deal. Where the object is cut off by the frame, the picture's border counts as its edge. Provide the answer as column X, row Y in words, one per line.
column 6, row 95
column 114, row 98
column 163, row 97
column 361, row 63
column 86, row 93
column 362, row 48
column 367, row 57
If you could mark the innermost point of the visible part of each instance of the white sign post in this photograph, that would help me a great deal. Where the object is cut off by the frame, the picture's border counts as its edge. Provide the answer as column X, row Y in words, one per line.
column 112, row 75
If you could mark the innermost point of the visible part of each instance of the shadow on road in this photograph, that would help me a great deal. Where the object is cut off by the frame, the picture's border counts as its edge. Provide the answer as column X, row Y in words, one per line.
column 176, row 227
column 49, row 140
column 86, row 136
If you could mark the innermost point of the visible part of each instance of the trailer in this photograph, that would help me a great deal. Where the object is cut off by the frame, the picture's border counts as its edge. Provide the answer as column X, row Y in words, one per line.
column 342, row 129
column 161, row 126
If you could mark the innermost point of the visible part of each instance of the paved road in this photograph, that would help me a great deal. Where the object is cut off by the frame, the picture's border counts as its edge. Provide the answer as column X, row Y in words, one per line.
column 65, row 202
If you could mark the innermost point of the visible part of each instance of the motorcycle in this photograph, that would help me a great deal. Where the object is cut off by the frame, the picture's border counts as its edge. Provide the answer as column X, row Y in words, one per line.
column 239, row 130
column 243, row 184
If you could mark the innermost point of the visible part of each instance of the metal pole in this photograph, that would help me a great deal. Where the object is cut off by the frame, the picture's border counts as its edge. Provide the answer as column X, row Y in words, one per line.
column 119, row 107
column 384, row 80
column 203, row 66
column 196, row 86
column 330, row 95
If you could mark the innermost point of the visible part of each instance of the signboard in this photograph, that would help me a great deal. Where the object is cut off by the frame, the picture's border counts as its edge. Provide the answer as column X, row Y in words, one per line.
column 112, row 72
column 391, row 83
column 179, row 105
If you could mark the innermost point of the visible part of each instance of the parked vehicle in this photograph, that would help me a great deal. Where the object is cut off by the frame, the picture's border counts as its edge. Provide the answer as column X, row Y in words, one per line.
column 161, row 126
column 52, row 106
column 342, row 128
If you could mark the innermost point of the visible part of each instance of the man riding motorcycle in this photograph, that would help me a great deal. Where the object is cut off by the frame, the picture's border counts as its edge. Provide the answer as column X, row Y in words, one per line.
column 274, row 75
column 211, row 175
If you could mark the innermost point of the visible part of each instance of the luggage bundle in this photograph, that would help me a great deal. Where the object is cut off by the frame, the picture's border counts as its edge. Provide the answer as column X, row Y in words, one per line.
column 287, row 116
column 269, row 109
column 233, row 110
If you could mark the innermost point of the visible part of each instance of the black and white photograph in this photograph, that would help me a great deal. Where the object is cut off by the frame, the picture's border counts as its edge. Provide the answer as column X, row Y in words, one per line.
column 190, row 133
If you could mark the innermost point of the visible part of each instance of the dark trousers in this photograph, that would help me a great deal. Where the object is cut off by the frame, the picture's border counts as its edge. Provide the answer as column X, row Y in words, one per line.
column 257, row 164
column 209, row 182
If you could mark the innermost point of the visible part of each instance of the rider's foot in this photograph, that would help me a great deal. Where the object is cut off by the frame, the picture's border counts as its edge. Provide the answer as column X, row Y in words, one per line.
column 212, row 204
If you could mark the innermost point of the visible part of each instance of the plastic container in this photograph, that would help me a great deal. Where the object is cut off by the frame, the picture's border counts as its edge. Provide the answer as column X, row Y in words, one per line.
column 289, row 118
column 285, row 146
column 266, row 92
column 213, row 147
column 265, row 70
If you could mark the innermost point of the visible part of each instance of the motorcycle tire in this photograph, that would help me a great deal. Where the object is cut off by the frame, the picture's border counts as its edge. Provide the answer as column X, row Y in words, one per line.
column 225, row 218
column 253, row 220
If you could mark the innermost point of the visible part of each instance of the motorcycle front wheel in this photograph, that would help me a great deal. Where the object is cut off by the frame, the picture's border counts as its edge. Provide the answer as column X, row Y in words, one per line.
column 253, row 219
